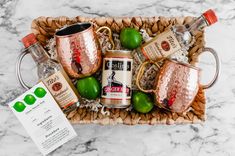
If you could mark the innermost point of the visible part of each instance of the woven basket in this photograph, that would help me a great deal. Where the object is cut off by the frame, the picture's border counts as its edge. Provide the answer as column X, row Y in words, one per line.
column 45, row 27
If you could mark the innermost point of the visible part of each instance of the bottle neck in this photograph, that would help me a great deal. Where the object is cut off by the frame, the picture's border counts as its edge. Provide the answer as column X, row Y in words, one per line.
column 197, row 25
column 139, row 56
column 38, row 53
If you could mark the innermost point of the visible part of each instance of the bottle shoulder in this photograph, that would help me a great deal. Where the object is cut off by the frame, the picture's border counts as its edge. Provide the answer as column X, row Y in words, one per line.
column 183, row 35
column 48, row 68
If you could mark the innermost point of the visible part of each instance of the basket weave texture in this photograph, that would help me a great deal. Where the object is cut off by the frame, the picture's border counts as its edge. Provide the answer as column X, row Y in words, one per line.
column 45, row 27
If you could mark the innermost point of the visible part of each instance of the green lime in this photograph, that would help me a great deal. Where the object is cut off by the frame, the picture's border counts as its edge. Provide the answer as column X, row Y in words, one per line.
column 29, row 99
column 130, row 38
column 40, row 92
column 19, row 106
column 142, row 102
column 88, row 87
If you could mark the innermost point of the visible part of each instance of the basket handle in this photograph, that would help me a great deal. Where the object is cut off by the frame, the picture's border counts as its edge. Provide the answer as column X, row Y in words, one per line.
column 217, row 69
column 109, row 33
column 140, row 74
column 18, row 69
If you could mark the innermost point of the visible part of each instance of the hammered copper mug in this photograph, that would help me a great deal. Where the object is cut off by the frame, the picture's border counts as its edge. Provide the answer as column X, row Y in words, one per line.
column 177, row 84
column 78, row 49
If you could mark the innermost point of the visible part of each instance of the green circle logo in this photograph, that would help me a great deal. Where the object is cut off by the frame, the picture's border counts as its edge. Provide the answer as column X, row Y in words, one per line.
column 29, row 99
column 40, row 92
column 19, row 106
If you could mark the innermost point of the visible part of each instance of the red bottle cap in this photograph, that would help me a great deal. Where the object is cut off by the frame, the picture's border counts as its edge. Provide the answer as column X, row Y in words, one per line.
column 29, row 40
column 210, row 16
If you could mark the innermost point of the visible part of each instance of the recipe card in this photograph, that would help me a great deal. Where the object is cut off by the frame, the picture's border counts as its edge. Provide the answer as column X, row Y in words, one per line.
column 42, row 118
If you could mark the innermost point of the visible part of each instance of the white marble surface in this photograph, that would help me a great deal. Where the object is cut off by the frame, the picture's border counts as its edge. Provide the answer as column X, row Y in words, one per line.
column 215, row 137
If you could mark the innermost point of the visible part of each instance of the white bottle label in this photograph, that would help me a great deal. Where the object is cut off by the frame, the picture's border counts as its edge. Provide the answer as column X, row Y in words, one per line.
column 116, row 78
column 160, row 46
column 60, row 89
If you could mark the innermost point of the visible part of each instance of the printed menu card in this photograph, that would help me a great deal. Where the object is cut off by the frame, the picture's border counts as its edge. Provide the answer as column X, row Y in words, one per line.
column 42, row 118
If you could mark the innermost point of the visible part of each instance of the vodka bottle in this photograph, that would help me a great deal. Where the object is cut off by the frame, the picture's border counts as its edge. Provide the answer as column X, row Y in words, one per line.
column 177, row 38
column 52, row 75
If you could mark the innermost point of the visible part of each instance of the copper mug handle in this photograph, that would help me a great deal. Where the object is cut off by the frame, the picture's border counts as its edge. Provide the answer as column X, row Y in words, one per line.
column 141, row 72
column 110, row 34
column 217, row 65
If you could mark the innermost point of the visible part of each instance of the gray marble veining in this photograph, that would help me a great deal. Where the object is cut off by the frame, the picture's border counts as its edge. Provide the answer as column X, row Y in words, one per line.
column 215, row 137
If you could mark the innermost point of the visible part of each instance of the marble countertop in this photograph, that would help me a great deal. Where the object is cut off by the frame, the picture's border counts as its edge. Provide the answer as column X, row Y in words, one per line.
column 214, row 137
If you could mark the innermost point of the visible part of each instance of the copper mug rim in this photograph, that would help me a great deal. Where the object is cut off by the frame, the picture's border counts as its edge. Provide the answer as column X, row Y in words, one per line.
column 184, row 64
column 79, row 31
column 76, row 29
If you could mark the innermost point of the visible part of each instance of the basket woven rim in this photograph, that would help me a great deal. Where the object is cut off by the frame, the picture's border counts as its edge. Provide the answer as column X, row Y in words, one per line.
column 44, row 28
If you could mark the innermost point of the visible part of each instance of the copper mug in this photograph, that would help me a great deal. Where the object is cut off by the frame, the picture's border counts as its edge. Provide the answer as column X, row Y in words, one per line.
column 78, row 49
column 177, row 84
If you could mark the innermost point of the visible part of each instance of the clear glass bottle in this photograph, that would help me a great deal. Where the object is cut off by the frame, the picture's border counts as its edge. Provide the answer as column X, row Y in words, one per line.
column 52, row 75
column 178, row 38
